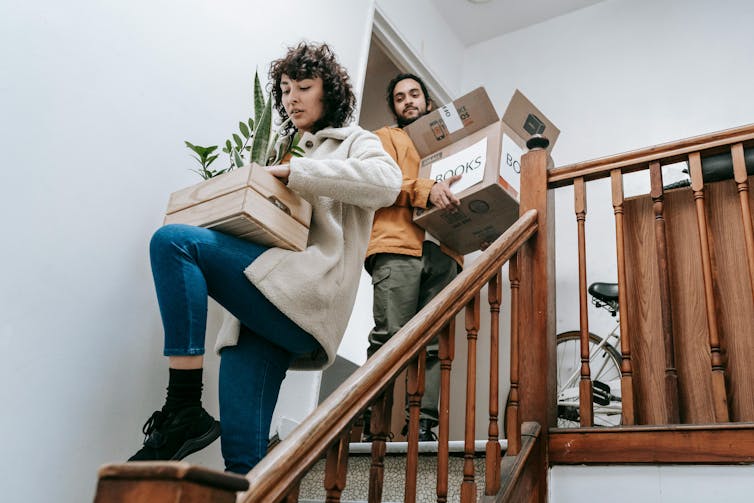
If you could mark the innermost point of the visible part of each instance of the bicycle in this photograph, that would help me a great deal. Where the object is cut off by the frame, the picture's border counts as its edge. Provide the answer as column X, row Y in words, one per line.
column 604, row 364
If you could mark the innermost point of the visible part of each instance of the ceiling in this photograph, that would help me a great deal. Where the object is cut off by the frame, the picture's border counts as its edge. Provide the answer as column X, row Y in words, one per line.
column 477, row 22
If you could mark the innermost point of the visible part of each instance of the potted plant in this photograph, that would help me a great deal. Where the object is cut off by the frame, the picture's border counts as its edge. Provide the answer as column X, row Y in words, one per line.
column 265, row 148
column 243, row 199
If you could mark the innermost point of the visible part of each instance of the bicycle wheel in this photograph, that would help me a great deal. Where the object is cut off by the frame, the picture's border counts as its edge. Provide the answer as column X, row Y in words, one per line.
column 604, row 364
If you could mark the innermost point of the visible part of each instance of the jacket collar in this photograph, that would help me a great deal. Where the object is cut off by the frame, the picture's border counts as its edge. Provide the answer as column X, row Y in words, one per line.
column 335, row 133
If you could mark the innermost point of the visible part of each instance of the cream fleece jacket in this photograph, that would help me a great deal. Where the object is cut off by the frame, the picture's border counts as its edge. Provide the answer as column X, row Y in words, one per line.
column 346, row 175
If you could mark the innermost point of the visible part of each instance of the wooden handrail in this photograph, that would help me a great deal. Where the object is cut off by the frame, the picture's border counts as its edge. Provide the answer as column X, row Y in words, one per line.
column 288, row 461
column 666, row 153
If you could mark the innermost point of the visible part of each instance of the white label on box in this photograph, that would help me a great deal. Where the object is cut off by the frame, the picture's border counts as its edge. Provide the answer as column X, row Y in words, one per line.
column 451, row 118
column 510, row 162
column 469, row 163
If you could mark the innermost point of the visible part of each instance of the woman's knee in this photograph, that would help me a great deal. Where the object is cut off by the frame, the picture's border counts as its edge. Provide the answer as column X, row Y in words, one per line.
column 172, row 235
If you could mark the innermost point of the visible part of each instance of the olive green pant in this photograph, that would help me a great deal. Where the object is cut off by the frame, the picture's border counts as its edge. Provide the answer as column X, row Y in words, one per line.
column 403, row 285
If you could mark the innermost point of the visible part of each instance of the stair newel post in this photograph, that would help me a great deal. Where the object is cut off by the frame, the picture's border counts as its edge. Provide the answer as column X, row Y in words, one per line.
column 536, row 325
column 174, row 481
column 492, row 457
column 336, row 467
column 379, row 426
column 468, row 486
column 445, row 355
column 415, row 391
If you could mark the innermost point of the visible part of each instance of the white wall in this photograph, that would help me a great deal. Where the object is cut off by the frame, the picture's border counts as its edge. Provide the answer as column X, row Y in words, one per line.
column 651, row 484
column 97, row 98
column 621, row 75
column 425, row 31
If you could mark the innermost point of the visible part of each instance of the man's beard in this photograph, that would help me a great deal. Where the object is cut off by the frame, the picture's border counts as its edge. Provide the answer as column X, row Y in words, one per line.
column 403, row 122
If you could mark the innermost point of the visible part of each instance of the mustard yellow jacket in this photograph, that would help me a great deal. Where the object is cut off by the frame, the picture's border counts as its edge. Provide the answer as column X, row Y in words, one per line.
column 394, row 230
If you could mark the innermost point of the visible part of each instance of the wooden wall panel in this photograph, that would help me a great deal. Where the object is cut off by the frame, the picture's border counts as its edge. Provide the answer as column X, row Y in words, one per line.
column 691, row 335
column 733, row 300
column 643, row 311
column 735, row 310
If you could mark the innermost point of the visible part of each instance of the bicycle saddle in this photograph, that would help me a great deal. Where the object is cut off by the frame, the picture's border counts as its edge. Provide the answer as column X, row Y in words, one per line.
column 606, row 292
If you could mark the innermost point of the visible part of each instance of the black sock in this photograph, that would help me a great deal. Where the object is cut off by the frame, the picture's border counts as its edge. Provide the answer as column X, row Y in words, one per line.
column 184, row 389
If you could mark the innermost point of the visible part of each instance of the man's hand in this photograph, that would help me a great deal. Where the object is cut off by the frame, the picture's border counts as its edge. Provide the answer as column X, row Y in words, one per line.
column 281, row 172
column 441, row 196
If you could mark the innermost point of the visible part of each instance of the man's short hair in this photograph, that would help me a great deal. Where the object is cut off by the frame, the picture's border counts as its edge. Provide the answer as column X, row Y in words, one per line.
column 394, row 82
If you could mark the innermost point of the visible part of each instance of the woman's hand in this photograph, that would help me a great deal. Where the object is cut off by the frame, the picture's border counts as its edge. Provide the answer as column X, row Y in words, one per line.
column 281, row 172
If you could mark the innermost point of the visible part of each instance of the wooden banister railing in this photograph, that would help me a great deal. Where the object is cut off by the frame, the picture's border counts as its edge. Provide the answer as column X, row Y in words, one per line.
column 636, row 160
column 287, row 463
column 685, row 272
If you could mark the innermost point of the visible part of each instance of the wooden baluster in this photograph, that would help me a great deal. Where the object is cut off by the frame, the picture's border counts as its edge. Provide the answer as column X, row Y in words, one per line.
column 513, row 430
column 742, row 183
column 336, row 467
column 414, row 390
column 292, row 496
column 492, row 451
column 586, row 411
column 666, row 311
column 445, row 354
column 380, row 427
column 468, row 486
column 719, row 396
column 626, row 366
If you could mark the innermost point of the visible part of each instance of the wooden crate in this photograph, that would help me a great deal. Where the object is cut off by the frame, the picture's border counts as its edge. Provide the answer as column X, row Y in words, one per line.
column 246, row 202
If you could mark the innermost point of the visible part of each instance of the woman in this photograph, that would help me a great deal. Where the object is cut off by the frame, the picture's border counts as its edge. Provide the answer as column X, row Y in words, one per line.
column 286, row 308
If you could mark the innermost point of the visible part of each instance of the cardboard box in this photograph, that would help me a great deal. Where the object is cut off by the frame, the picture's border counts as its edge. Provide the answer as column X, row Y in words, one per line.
column 247, row 202
column 520, row 121
column 467, row 138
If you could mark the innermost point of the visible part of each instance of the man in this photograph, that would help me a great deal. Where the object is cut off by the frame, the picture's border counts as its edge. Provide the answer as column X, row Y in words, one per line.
column 407, row 265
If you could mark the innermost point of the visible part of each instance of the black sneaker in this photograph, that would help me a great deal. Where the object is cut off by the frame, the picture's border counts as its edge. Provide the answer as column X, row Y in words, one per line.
column 425, row 430
column 174, row 435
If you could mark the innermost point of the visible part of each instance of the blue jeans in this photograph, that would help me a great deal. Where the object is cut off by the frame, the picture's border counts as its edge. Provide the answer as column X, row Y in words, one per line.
column 190, row 264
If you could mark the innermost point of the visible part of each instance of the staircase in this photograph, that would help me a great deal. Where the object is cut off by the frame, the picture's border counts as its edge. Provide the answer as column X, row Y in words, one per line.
column 393, row 490
column 687, row 385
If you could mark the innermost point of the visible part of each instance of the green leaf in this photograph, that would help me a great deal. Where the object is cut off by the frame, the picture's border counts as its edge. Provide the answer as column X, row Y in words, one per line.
column 251, row 124
column 203, row 152
column 237, row 158
column 283, row 147
column 238, row 140
column 262, row 135
column 272, row 157
column 244, row 129
column 211, row 159
column 259, row 104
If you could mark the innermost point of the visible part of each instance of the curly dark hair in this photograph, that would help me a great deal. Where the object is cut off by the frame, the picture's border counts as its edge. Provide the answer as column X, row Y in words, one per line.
column 309, row 60
column 394, row 82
